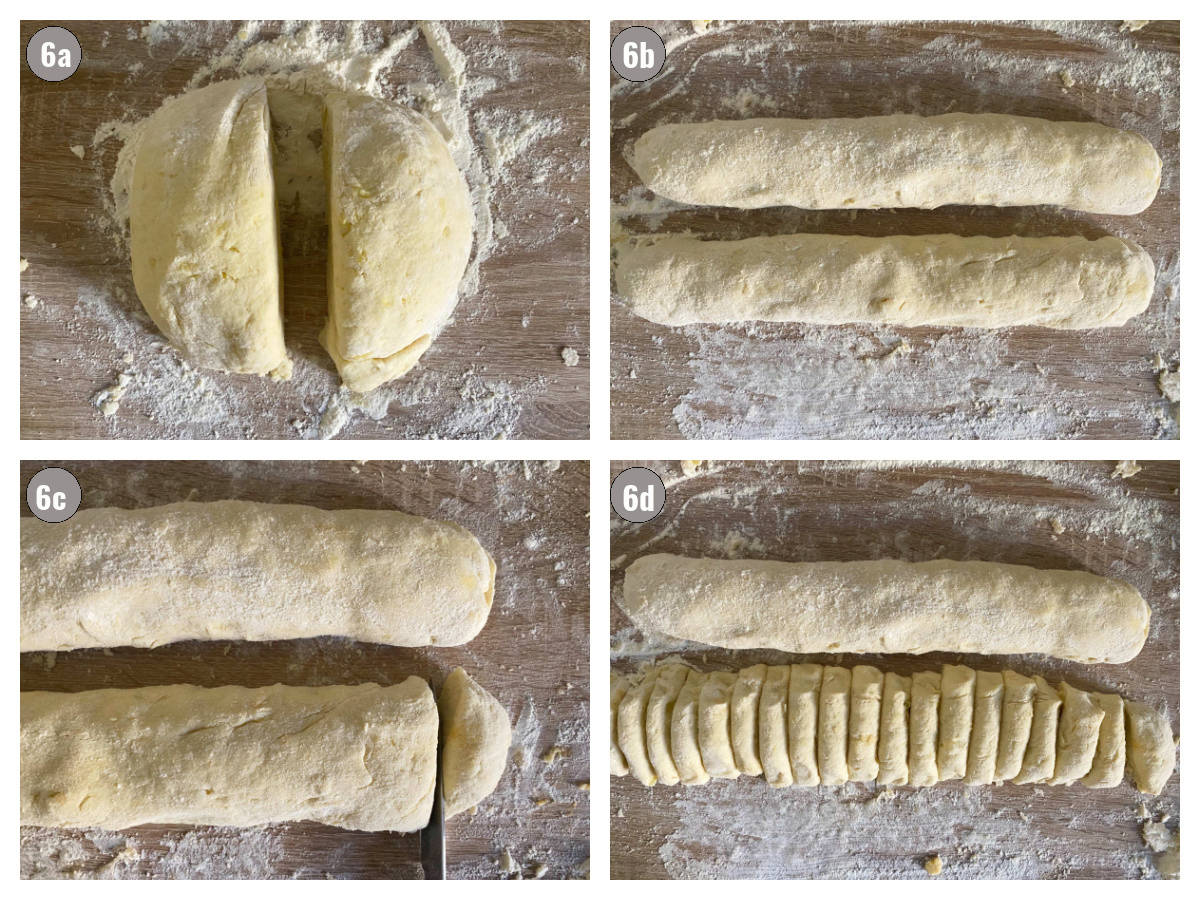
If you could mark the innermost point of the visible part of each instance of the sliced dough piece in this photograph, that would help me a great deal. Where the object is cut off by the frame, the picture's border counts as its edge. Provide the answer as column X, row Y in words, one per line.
column 954, row 721
column 659, row 708
column 1108, row 765
column 743, row 718
column 804, row 691
column 1150, row 748
column 475, row 737
column 833, row 725
column 985, row 728
column 631, row 728
column 893, row 729
column 867, row 607
column 923, row 729
column 400, row 224
column 772, row 727
column 203, row 231
column 234, row 570
column 1078, row 734
column 715, row 747
column 1038, row 765
column 866, row 694
column 685, row 735
column 362, row 757
column 940, row 280
column 618, row 686
column 900, row 161
column 1016, row 719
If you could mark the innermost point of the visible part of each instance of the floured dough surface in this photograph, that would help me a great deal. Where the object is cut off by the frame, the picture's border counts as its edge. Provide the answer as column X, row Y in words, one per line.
column 475, row 737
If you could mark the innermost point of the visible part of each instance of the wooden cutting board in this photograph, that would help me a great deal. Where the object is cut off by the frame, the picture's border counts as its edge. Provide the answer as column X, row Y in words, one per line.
column 762, row 380
column 1005, row 512
column 496, row 371
column 532, row 655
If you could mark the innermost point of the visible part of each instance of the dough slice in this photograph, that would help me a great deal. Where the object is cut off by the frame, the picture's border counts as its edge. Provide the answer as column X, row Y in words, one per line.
column 985, row 728
column 631, row 728
column 1016, row 719
column 866, row 693
column 833, row 724
column 893, row 729
column 659, row 708
column 1078, row 734
column 954, row 721
column 685, row 735
column 716, row 750
column 1038, row 765
column 400, row 224
column 618, row 686
column 1150, row 748
column 1108, row 765
column 743, row 719
column 923, row 729
column 203, row 230
column 475, row 737
column 804, row 691
column 772, row 727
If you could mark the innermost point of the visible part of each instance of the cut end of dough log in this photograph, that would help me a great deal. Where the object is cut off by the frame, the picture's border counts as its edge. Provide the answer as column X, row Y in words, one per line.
column 475, row 736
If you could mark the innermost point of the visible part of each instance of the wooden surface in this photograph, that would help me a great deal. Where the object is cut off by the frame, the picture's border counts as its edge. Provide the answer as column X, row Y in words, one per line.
column 532, row 655
column 496, row 371
column 843, row 511
column 760, row 380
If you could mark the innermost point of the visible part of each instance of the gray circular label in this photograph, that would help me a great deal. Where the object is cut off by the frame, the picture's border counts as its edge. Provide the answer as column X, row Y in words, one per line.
column 53, row 54
column 53, row 495
column 637, row 494
column 637, row 53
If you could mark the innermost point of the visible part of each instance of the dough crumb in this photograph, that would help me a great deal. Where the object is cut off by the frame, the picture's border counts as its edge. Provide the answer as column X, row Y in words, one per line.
column 539, row 870
column 1134, row 24
column 584, row 786
column 691, row 466
column 570, row 356
column 701, row 25
column 541, row 801
column 1067, row 79
column 30, row 301
column 554, row 754
column 507, row 864
column 1056, row 525
column 108, row 400
column 1126, row 468
column 24, row 264
column 933, row 865
column 77, row 149
column 1168, row 385
column 1156, row 835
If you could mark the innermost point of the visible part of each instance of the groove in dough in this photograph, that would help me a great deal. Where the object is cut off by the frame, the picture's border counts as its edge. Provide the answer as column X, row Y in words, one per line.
column 804, row 691
column 1078, row 733
column 866, row 693
column 1038, row 765
column 923, row 729
column 772, row 727
column 659, row 708
column 1016, row 720
column 475, row 737
column 631, row 728
column 985, row 728
column 685, row 735
column 832, row 725
column 743, row 718
column 954, row 721
column 1151, row 747
column 893, row 729
column 1108, row 765
column 715, row 748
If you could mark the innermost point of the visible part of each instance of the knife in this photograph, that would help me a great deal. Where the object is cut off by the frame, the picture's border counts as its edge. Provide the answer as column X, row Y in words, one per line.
column 433, row 835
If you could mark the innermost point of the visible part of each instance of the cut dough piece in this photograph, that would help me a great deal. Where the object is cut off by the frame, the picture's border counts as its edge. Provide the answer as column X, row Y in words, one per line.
column 804, row 691
column 1151, row 747
column 743, row 718
column 772, row 727
column 940, row 280
column 361, row 757
column 985, row 728
column 1108, row 765
column 631, row 728
column 618, row 686
column 832, row 725
column 923, row 729
column 1078, row 734
column 475, row 737
column 893, row 729
column 954, row 721
column 203, row 231
column 900, row 161
column 234, row 570
column 659, row 708
column 400, row 223
column 1016, row 719
column 685, row 735
column 866, row 693
column 715, row 747
column 867, row 607
column 1038, row 766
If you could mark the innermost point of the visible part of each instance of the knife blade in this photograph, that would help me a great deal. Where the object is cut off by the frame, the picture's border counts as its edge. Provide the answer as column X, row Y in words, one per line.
column 433, row 835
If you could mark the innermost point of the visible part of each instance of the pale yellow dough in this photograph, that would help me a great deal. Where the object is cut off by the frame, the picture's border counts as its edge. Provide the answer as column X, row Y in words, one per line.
column 804, row 692
column 1038, row 765
column 772, row 727
column 923, row 728
column 631, row 728
column 985, row 728
column 1150, row 747
column 1078, row 734
column 713, row 728
column 618, row 687
column 893, row 729
column 1108, row 765
column 685, row 731
column 743, row 719
column 833, row 724
column 866, row 694
column 659, row 708
column 954, row 721
column 1016, row 720
column 475, row 737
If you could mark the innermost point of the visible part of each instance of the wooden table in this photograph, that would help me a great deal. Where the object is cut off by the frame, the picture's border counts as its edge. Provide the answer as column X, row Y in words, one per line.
column 496, row 371
column 1005, row 512
column 532, row 655
column 761, row 380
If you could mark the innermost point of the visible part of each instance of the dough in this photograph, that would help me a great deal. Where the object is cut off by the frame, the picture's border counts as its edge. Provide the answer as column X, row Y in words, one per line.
column 1078, row 733
column 743, row 719
column 804, row 691
column 475, row 737
column 631, row 728
column 887, row 606
column 203, row 231
column 954, row 721
column 1038, row 766
column 900, row 161
column 659, row 708
column 985, row 728
column 1108, row 765
column 360, row 757
column 1016, row 719
column 940, row 280
column 866, row 693
column 1151, row 748
column 618, row 686
column 685, row 735
column 832, row 725
column 923, row 729
column 715, row 747
column 400, row 224
column 234, row 570
column 893, row 729
column 772, row 727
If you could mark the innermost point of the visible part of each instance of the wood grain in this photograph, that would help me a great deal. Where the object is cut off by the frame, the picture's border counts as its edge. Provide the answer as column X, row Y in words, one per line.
column 532, row 655
column 842, row 511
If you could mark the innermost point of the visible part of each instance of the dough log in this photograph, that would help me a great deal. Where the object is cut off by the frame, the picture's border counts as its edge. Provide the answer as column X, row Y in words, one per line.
column 940, row 280
column 360, row 757
column 235, row 570
column 475, row 737
column 887, row 606
column 900, row 161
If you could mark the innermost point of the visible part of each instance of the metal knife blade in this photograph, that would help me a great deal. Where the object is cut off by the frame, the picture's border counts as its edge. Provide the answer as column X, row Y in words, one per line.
column 433, row 835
